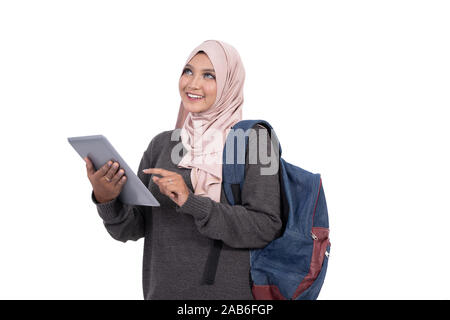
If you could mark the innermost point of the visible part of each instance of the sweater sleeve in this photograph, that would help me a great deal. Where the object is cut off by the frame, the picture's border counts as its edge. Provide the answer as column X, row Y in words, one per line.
column 257, row 220
column 126, row 222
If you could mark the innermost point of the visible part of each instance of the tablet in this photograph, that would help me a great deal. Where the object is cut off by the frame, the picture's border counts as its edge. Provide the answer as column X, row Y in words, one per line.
column 99, row 150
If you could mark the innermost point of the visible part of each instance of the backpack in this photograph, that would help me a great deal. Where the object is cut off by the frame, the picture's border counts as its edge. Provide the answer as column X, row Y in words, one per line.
column 293, row 266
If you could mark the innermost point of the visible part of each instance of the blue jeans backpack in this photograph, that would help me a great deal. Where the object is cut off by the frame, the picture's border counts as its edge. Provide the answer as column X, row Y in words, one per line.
column 293, row 266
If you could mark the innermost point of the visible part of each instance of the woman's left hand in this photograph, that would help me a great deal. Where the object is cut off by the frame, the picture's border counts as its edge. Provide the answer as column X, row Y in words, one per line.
column 171, row 184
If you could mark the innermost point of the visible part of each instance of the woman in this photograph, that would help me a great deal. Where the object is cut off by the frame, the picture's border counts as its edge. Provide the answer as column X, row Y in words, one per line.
column 193, row 208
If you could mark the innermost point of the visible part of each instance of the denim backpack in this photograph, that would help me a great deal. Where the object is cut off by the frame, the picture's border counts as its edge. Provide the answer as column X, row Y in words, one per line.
column 293, row 266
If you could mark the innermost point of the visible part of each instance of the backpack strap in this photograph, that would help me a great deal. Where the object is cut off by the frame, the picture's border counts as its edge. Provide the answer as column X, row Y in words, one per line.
column 233, row 168
column 233, row 175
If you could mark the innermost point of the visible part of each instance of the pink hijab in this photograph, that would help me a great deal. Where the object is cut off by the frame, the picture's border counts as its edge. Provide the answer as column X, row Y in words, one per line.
column 203, row 134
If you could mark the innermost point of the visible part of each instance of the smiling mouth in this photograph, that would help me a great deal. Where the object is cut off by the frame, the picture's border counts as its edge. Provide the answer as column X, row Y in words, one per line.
column 193, row 97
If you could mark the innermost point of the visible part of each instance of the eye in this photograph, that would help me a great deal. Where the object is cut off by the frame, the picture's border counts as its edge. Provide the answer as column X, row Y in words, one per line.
column 207, row 74
column 186, row 69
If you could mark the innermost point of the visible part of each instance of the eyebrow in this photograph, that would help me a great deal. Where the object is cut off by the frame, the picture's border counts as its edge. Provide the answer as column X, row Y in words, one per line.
column 211, row 70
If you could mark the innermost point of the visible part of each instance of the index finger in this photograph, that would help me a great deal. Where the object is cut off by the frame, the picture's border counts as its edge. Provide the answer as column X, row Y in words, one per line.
column 162, row 172
column 104, row 169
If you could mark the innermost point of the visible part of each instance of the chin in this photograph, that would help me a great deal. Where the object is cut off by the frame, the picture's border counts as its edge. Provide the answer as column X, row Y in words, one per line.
column 195, row 109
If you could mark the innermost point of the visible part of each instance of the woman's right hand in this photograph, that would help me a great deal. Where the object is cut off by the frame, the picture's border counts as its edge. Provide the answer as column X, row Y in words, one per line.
column 107, row 181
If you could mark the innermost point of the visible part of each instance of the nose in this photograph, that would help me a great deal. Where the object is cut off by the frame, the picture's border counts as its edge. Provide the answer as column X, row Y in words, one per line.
column 194, row 82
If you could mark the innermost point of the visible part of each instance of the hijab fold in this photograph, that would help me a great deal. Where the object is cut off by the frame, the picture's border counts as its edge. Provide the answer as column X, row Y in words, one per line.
column 203, row 134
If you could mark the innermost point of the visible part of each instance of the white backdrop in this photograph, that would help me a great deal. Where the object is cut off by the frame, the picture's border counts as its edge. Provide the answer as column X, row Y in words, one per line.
column 356, row 90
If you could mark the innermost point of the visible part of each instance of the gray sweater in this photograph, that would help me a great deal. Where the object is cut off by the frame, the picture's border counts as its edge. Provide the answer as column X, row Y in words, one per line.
column 178, row 239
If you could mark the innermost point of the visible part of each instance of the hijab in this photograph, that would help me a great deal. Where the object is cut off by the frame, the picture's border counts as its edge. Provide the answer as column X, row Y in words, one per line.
column 203, row 134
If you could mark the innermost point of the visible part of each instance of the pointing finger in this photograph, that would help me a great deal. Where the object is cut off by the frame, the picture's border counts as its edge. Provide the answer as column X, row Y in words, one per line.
column 162, row 172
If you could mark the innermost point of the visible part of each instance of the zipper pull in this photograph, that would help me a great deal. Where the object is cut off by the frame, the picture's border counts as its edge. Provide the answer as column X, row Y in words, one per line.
column 313, row 236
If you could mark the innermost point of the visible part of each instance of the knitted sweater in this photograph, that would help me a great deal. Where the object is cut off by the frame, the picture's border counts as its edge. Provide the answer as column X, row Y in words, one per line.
column 178, row 239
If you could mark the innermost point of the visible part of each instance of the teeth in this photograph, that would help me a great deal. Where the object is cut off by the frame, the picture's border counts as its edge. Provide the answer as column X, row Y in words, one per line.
column 194, row 96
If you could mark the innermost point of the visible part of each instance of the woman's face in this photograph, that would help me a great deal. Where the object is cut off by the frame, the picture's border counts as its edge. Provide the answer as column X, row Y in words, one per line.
column 199, row 79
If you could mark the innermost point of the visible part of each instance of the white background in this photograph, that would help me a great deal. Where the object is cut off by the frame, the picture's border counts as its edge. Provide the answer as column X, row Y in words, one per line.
column 355, row 90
